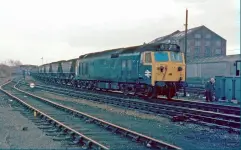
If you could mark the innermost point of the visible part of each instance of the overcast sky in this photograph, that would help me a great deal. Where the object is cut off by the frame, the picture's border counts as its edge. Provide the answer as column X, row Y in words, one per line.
column 64, row 29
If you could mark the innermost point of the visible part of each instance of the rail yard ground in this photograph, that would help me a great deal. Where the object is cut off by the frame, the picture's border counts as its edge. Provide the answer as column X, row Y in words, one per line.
column 181, row 134
column 12, row 123
column 184, row 135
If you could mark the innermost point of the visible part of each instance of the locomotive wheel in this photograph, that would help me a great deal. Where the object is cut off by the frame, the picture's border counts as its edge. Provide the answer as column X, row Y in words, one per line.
column 154, row 93
column 135, row 92
column 151, row 93
column 125, row 91
column 104, row 90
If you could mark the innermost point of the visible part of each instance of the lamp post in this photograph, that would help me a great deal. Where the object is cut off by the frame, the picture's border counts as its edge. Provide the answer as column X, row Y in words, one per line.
column 185, row 53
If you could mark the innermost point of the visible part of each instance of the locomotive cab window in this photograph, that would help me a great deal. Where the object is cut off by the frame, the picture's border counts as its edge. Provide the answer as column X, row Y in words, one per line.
column 148, row 57
column 238, row 68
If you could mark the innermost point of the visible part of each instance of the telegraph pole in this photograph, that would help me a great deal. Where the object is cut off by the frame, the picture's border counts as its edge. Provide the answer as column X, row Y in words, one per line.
column 42, row 60
column 186, row 25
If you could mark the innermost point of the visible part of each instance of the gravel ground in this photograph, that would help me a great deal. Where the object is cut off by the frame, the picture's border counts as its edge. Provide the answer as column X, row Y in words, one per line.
column 12, row 135
column 184, row 135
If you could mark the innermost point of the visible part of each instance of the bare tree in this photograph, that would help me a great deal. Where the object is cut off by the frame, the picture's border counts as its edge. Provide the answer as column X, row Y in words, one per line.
column 5, row 70
column 11, row 62
column 8, row 67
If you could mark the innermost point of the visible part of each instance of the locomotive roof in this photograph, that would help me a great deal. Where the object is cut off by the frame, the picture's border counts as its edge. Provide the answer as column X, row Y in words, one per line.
column 132, row 49
column 72, row 59
column 57, row 61
column 44, row 65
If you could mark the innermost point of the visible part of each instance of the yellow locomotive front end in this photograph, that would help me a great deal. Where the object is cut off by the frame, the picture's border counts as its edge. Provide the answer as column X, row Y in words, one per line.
column 168, row 71
column 168, row 67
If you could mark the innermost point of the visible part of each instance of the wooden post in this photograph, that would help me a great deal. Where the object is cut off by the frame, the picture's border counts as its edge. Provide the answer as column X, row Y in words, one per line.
column 186, row 25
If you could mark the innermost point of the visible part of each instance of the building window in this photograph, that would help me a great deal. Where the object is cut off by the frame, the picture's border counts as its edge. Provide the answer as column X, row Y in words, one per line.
column 188, row 50
column 218, row 51
column 197, row 43
column 207, row 43
column 218, row 43
column 197, row 36
column 188, row 42
column 208, row 36
column 197, row 51
column 207, row 51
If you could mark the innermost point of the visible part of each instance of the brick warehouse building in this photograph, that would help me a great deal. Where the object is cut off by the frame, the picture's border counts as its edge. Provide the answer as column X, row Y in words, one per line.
column 201, row 42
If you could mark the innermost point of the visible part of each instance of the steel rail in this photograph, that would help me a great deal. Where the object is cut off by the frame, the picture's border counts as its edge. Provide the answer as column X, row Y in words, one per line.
column 156, row 106
column 90, row 143
column 180, row 102
column 203, row 106
column 221, row 120
column 150, row 142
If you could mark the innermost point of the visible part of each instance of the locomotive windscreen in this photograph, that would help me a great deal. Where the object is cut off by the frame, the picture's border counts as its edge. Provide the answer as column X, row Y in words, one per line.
column 176, row 56
column 161, row 56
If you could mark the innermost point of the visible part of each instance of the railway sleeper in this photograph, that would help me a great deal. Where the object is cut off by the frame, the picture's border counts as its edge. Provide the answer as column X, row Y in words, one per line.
column 179, row 118
column 43, row 123
column 106, row 126
column 216, row 126
column 62, row 138
column 52, row 134
column 218, row 121
column 52, row 130
column 89, row 120
column 45, row 127
column 114, row 130
column 87, row 145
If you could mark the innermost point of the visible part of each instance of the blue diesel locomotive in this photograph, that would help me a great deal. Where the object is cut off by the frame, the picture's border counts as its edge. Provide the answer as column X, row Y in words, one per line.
column 147, row 70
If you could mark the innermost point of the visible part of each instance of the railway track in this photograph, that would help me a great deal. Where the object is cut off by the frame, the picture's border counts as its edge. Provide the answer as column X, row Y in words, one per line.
column 175, row 102
column 227, row 118
column 84, row 130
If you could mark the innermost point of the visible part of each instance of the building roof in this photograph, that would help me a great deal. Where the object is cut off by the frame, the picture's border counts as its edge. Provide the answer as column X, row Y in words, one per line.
column 133, row 49
column 177, row 35
column 228, row 58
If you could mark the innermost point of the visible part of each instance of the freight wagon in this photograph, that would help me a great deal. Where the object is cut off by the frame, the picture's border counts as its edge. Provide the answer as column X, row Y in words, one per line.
column 229, row 87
